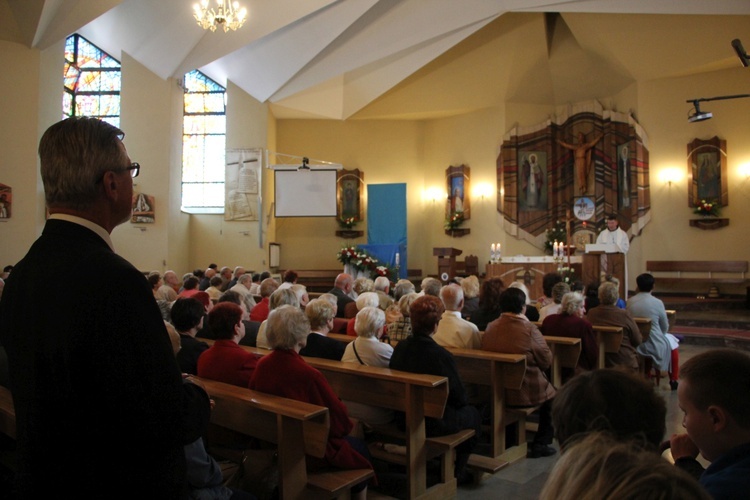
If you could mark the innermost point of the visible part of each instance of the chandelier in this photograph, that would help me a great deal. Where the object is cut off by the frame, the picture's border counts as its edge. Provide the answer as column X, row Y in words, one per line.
column 226, row 15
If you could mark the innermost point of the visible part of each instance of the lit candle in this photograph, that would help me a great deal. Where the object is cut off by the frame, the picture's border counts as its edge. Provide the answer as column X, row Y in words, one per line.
column 492, row 248
column 498, row 250
column 397, row 258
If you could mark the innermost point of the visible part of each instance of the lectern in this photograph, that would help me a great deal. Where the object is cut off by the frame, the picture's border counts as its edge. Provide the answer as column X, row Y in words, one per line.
column 446, row 261
column 604, row 259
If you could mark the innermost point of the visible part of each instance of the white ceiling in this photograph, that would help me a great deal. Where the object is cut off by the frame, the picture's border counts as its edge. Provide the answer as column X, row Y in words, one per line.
column 346, row 58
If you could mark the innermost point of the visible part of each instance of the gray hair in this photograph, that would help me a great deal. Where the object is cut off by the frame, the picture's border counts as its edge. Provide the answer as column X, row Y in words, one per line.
column 286, row 327
column 404, row 303
column 431, row 286
column 362, row 285
column 608, row 293
column 382, row 283
column 331, row 298
column 367, row 299
column 402, row 288
column 452, row 295
column 74, row 154
column 369, row 321
column 571, row 303
column 245, row 278
column 282, row 297
column 319, row 311
column 300, row 291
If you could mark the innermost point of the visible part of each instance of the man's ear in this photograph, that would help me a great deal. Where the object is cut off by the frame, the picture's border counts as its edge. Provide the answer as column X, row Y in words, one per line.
column 718, row 416
column 110, row 184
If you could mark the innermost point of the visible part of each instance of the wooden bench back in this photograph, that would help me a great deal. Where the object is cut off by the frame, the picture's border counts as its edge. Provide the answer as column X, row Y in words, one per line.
column 609, row 339
column 267, row 417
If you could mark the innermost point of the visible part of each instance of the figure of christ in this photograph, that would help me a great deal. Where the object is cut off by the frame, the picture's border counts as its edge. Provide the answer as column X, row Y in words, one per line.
column 582, row 152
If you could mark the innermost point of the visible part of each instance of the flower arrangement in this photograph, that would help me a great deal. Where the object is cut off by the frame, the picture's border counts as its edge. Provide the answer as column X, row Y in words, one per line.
column 708, row 208
column 347, row 222
column 389, row 272
column 358, row 258
column 553, row 234
column 568, row 274
column 454, row 220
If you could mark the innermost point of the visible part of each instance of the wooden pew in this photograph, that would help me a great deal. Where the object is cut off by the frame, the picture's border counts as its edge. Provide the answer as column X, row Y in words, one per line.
column 297, row 429
column 644, row 325
column 416, row 395
column 7, row 413
column 609, row 339
column 499, row 372
column 565, row 354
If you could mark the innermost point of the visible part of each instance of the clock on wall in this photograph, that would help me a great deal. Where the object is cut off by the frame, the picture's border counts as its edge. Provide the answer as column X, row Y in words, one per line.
column 583, row 208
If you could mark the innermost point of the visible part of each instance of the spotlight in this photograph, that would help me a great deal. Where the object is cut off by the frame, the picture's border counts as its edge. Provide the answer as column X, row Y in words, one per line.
column 699, row 116
column 744, row 58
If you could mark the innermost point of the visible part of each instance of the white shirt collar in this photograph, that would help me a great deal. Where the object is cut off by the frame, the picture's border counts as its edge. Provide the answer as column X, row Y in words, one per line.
column 454, row 313
column 99, row 230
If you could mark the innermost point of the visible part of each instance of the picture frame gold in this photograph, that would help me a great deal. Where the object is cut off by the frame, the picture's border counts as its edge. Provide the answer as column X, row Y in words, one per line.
column 707, row 171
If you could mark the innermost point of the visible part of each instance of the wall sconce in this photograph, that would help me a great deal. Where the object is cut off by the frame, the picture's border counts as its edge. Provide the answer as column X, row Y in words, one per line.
column 670, row 175
column 744, row 170
column 481, row 191
column 434, row 194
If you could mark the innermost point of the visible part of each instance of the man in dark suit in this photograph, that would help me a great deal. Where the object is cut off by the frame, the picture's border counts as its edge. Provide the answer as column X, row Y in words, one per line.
column 101, row 408
column 341, row 289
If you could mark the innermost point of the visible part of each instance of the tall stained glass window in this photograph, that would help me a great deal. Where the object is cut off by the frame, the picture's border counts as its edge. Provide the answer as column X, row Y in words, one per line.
column 203, row 144
column 92, row 81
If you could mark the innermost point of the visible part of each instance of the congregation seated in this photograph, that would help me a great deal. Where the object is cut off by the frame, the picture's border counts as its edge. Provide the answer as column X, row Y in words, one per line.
column 214, row 288
column 402, row 288
column 301, row 292
column 513, row 333
column 367, row 349
column 187, row 318
column 284, row 373
column 277, row 299
column 549, row 280
column 470, row 286
column 342, row 289
column 453, row 330
column 601, row 467
column 608, row 278
column 608, row 314
column 713, row 396
column 382, row 286
column 189, row 287
column 290, row 278
column 206, row 279
column 239, row 271
column 658, row 348
column 168, row 291
column 591, row 296
column 155, row 281
column 366, row 299
column 255, row 284
column 401, row 328
column 570, row 322
column 226, row 361
column 489, row 303
column 242, row 287
column 558, row 291
column 320, row 314
column 261, row 309
column 419, row 353
column 531, row 312
column 616, row 402
column 431, row 286
column 359, row 286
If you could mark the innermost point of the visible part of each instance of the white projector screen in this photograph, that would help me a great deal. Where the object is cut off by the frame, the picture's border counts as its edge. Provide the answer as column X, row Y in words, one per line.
column 305, row 193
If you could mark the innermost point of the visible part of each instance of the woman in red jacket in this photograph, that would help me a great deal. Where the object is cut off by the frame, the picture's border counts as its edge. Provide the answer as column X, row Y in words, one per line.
column 284, row 373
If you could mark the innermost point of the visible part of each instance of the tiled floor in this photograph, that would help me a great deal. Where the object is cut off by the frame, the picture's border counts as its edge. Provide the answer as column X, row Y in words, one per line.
column 525, row 478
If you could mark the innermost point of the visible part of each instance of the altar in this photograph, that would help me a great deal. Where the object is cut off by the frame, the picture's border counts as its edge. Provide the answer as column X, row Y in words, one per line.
column 530, row 270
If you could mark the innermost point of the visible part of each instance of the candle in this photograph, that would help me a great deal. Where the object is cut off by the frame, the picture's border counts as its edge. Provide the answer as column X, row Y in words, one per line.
column 397, row 259
column 498, row 250
column 492, row 248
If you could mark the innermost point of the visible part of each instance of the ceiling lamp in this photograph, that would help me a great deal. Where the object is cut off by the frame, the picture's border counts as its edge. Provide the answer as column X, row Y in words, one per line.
column 226, row 15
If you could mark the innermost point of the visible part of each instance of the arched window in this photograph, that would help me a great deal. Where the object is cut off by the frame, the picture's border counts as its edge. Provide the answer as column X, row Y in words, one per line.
column 203, row 144
column 92, row 82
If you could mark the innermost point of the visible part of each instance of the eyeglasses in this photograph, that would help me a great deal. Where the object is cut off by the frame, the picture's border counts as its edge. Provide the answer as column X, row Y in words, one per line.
column 135, row 169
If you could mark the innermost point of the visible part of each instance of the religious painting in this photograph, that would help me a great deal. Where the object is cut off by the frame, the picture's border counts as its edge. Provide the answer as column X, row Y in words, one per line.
column 532, row 185
column 6, row 201
column 623, row 175
column 707, row 171
column 242, row 184
column 143, row 209
column 457, row 185
column 349, row 194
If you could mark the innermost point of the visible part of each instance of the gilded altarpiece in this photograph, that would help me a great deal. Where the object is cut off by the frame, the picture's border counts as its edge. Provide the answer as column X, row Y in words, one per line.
column 586, row 151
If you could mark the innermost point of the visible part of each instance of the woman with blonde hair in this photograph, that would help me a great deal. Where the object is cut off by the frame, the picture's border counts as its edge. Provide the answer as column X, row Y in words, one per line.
column 401, row 328
column 599, row 467
column 470, row 286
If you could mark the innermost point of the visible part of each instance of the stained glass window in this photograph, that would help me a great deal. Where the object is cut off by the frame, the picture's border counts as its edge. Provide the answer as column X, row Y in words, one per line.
column 203, row 143
column 91, row 80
